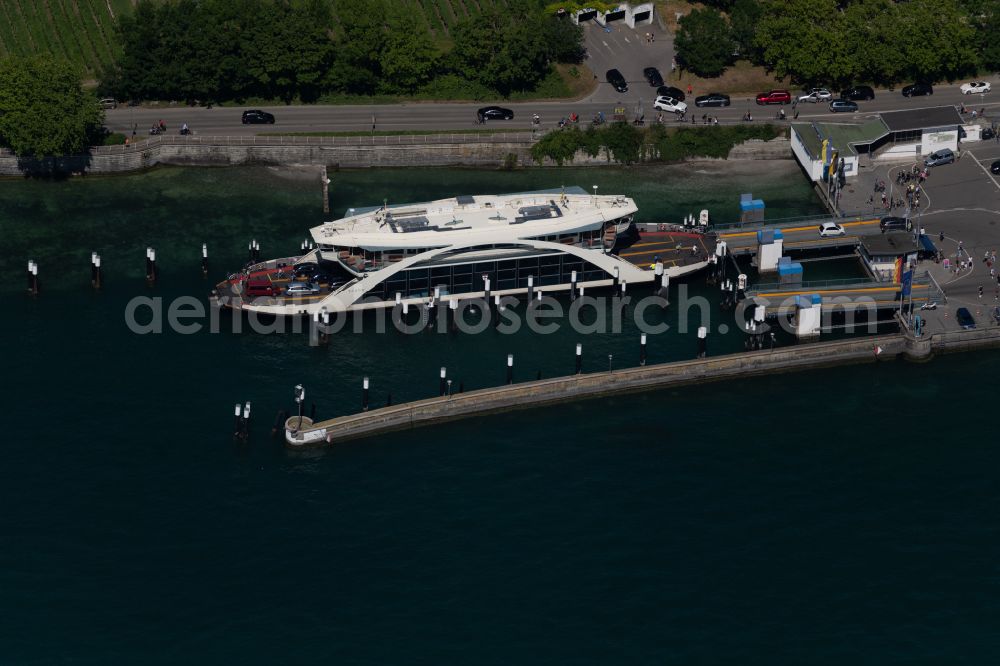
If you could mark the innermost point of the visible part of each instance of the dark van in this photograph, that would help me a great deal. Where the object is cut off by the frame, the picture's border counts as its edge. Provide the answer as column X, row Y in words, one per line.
column 890, row 223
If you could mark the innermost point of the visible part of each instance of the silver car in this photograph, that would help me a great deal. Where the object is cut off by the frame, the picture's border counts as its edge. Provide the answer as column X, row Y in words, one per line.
column 939, row 157
column 302, row 288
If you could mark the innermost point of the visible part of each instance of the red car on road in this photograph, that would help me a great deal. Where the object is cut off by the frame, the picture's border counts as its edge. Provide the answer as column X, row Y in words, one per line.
column 775, row 97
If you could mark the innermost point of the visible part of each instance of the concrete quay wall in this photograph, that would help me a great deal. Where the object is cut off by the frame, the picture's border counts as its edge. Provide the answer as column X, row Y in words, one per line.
column 562, row 389
column 505, row 150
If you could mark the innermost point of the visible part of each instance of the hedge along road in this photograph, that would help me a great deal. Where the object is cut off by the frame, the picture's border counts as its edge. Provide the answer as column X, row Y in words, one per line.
column 458, row 116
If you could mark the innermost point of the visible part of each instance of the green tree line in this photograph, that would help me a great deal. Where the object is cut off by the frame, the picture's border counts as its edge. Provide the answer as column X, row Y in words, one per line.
column 843, row 41
column 216, row 50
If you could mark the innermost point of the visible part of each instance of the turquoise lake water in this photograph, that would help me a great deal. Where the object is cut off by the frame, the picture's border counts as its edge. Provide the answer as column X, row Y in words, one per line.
column 844, row 515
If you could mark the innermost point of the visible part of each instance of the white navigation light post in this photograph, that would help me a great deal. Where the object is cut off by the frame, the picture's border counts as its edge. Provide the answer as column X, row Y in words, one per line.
column 300, row 398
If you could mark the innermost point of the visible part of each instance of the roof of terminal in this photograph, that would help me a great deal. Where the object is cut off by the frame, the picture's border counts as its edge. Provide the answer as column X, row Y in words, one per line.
column 840, row 135
column 926, row 118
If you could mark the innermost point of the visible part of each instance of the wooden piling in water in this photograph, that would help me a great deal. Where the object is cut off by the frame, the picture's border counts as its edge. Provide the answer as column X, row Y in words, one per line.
column 326, row 190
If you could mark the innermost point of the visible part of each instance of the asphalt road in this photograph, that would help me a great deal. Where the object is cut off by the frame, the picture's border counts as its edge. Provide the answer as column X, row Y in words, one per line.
column 452, row 116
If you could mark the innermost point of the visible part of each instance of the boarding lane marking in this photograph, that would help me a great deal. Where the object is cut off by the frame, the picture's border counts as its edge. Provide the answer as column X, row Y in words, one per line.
column 811, row 226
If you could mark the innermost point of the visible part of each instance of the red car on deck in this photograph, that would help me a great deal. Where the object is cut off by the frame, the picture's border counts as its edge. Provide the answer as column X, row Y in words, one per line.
column 775, row 97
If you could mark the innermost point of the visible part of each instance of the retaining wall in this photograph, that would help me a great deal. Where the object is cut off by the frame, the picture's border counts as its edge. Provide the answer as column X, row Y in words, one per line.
column 496, row 150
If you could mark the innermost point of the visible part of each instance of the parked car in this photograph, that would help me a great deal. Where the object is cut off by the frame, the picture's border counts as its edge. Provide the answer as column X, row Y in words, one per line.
column 858, row 93
column 617, row 81
column 995, row 167
column 964, row 318
column 494, row 113
column 257, row 117
column 830, row 230
column 305, row 269
column 653, row 76
column 669, row 104
column 987, row 133
column 711, row 99
column 775, row 97
column 670, row 91
column 918, row 90
column 109, row 103
column 939, row 157
column 975, row 87
column 843, row 106
column 302, row 288
column 816, row 95
column 891, row 223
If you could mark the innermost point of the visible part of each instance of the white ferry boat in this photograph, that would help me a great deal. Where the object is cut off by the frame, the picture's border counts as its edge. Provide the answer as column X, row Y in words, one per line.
column 468, row 247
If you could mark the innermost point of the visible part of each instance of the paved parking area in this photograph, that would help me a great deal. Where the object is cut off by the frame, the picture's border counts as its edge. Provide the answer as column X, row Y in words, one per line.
column 962, row 202
column 626, row 49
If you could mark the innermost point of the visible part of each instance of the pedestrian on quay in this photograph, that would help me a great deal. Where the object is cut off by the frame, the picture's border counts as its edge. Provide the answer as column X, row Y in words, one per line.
column 980, row 292
column 941, row 237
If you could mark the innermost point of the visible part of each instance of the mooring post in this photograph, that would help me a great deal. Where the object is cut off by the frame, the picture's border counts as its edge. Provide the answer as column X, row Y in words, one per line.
column 616, row 279
column 246, row 420
column 702, row 342
column 442, row 384
column 531, row 288
column 237, row 427
column 572, row 286
column 579, row 358
column 326, row 190
column 642, row 349
column 324, row 334
column 204, row 259
column 510, row 368
column 364, row 396
column 453, row 314
column 93, row 269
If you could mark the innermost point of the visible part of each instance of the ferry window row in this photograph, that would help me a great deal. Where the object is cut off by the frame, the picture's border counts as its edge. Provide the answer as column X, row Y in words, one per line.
column 505, row 274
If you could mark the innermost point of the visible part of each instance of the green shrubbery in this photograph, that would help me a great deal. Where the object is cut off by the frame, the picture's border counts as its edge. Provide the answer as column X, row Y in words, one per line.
column 627, row 144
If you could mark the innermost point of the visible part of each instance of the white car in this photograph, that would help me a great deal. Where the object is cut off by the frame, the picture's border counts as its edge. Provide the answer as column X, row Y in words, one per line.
column 670, row 104
column 816, row 95
column 830, row 229
column 975, row 87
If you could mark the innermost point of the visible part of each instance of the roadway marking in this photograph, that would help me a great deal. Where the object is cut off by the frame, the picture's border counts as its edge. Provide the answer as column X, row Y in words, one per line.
column 981, row 166
column 812, row 226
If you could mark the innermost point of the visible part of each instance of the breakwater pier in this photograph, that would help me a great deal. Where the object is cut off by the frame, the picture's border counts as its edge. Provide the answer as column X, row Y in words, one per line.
column 303, row 432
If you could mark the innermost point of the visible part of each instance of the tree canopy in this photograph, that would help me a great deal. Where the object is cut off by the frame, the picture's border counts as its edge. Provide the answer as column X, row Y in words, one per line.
column 704, row 42
column 826, row 41
column 44, row 112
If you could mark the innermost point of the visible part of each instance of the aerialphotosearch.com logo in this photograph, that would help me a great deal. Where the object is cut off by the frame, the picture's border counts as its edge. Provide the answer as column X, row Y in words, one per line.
column 585, row 315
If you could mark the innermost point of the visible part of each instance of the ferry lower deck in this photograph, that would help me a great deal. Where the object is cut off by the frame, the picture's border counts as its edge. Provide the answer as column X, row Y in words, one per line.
column 549, row 268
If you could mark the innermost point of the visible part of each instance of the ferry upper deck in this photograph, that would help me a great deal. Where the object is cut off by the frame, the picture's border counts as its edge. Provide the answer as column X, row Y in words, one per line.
column 482, row 218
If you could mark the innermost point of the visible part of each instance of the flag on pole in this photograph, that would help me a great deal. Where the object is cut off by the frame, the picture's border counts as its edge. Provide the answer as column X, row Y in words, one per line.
column 907, row 283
